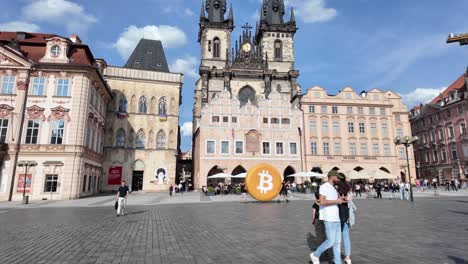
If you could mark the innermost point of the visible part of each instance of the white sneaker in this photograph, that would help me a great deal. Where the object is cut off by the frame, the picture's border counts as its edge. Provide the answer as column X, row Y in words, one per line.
column 315, row 260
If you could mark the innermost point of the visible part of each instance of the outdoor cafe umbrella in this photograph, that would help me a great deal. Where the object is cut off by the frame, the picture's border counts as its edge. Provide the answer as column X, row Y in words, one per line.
column 307, row 174
column 379, row 175
column 220, row 176
column 355, row 175
column 240, row 175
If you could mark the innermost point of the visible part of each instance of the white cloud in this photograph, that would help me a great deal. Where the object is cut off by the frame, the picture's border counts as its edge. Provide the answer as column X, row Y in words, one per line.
column 75, row 18
column 421, row 95
column 312, row 11
column 187, row 66
column 186, row 129
column 19, row 26
column 170, row 37
column 188, row 12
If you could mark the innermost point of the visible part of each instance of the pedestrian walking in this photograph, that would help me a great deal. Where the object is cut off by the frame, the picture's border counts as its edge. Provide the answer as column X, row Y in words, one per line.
column 122, row 194
column 453, row 184
column 407, row 187
column 319, row 226
column 434, row 185
column 394, row 188
column 344, row 191
column 358, row 190
column 329, row 213
column 283, row 192
column 402, row 190
column 378, row 190
column 181, row 188
column 243, row 193
column 171, row 189
column 447, row 185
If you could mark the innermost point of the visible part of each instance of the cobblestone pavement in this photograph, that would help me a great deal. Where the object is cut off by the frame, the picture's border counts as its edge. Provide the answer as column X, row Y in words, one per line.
column 387, row 231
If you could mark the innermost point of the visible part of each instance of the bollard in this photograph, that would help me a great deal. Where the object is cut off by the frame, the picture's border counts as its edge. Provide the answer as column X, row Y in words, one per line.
column 26, row 199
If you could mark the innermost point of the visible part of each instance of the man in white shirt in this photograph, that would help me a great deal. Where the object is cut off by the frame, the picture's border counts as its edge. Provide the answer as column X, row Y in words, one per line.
column 329, row 213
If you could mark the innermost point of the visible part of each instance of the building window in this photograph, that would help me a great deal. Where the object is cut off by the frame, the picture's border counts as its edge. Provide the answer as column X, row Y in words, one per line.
column 84, row 183
column 313, row 148
column 32, row 131
column 279, row 148
column 162, row 106
column 352, row 149
column 140, row 140
column 397, row 118
column 449, row 114
column 386, row 150
column 215, row 119
column 382, row 111
column 349, row 110
column 462, row 128
column 335, row 109
column 362, row 128
column 400, row 132
column 401, row 153
column 123, row 104
column 239, row 147
column 3, row 130
column 216, row 48
column 265, row 120
column 326, row 148
column 8, row 84
column 460, row 109
column 38, row 86
column 62, row 87
column 361, row 110
column 324, row 109
column 350, row 127
column 311, row 109
column 51, row 183
column 142, row 107
column 364, row 149
column 444, row 154
column 385, row 129
column 224, row 147
column 57, row 132
column 161, row 140
column 438, row 116
column 432, row 136
column 266, row 147
column 225, row 119
column 285, row 121
column 313, row 127
column 454, row 153
column 441, row 134
column 371, row 111
column 210, row 147
column 450, row 132
column 373, row 127
column 234, row 119
column 55, row 51
column 278, row 49
column 424, row 138
column 436, row 158
column 275, row 120
column 337, row 148
column 120, row 139
column 375, row 149
column 325, row 128
column 292, row 148
column 336, row 127
column 426, row 157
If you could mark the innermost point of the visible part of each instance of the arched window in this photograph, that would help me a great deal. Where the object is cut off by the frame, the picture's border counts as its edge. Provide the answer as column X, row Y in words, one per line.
column 278, row 49
column 247, row 94
column 123, row 104
column 120, row 139
column 216, row 48
column 140, row 140
column 142, row 108
column 161, row 140
column 162, row 106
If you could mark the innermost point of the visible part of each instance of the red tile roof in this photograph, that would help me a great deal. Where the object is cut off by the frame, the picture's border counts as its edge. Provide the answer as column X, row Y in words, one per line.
column 33, row 47
column 458, row 84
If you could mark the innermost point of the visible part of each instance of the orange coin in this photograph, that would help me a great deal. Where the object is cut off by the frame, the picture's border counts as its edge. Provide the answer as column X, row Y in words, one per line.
column 263, row 182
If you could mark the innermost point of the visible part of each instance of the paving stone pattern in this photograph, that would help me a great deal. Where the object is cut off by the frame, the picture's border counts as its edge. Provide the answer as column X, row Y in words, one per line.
column 430, row 231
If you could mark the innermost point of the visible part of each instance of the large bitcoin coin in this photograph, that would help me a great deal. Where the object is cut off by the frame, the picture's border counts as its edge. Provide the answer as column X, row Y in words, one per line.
column 263, row 182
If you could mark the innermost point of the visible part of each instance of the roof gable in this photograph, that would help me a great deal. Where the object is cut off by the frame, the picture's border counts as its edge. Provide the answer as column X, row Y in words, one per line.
column 149, row 56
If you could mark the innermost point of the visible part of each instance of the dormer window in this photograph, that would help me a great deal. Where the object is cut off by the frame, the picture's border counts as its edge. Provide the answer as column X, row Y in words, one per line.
column 55, row 51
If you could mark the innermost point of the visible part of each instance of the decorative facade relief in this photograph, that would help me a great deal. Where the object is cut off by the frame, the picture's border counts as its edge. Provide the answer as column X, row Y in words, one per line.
column 5, row 110
column 35, row 112
column 58, row 113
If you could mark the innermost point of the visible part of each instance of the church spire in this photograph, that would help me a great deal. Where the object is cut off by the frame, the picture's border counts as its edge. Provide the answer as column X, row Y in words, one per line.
column 216, row 10
column 231, row 14
column 293, row 17
column 202, row 11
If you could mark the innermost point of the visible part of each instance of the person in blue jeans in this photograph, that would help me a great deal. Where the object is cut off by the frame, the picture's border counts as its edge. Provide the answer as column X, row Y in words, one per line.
column 329, row 213
column 346, row 211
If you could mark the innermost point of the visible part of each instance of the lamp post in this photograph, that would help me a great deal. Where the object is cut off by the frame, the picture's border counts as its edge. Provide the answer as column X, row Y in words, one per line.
column 407, row 142
column 418, row 165
column 26, row 164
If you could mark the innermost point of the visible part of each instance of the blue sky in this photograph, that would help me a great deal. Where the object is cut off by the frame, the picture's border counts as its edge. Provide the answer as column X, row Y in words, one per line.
column 398, row 44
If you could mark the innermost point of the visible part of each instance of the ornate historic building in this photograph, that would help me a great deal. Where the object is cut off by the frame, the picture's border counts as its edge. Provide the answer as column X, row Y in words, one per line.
column 442, row 152
column 244, row 112
column 53, row 101
column 355, row 133
column 142, row 132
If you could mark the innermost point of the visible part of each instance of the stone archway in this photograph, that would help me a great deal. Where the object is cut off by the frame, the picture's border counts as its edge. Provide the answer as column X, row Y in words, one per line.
column 138, row 168
column 288, row 171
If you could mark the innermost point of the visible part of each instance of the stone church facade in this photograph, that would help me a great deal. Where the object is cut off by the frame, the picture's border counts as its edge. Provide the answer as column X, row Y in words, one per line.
column 246, row 109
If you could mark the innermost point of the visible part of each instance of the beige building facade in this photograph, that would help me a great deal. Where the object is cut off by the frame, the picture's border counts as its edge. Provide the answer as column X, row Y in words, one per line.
column 355, row 132
column 142, row 128
column 53, row 102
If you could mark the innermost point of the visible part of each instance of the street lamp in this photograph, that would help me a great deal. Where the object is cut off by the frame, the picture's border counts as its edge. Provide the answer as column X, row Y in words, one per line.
column 461, row 38
column 26, row 164
column 407, row 141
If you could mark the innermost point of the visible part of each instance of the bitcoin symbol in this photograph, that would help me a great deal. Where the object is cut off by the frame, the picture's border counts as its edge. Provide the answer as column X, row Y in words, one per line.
column 265, row 179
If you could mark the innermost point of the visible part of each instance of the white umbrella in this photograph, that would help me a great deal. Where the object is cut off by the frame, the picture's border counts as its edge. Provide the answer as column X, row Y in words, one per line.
column 379, row 175
column 307, row 174
column 220, row 176
column 355, row 175
column 240, row 176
